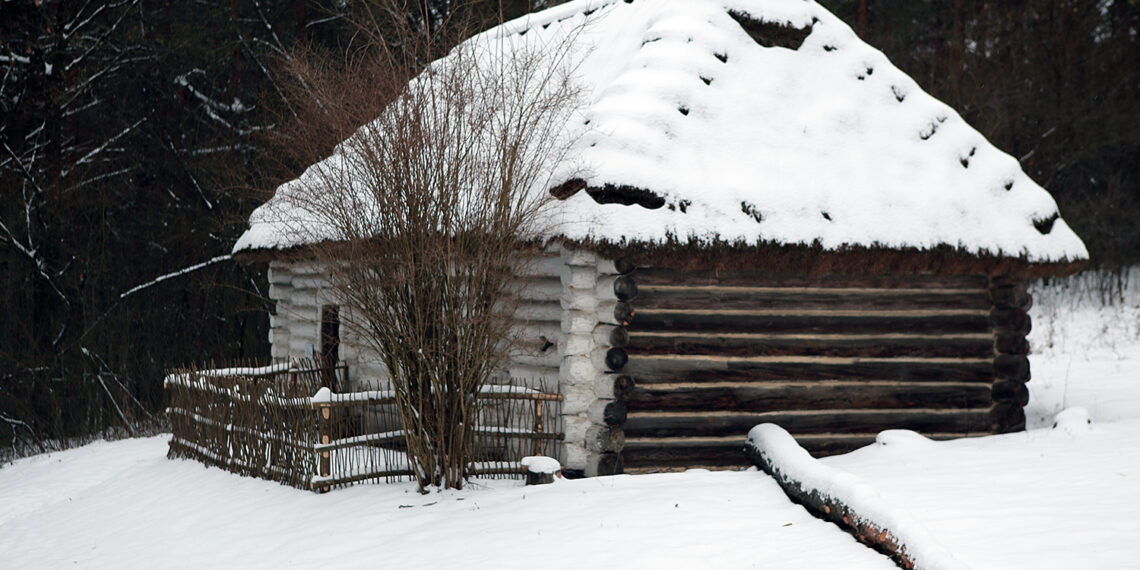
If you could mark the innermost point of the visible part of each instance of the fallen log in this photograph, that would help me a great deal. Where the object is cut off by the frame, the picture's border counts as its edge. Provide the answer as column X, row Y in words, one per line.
column 841, row 498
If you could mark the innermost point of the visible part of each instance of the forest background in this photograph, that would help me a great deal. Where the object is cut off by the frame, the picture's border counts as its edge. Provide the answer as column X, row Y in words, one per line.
column 132, row 133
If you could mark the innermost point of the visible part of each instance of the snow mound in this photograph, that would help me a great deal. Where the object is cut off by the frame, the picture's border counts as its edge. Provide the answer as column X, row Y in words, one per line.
column 902, row 438
column 755, row 121
column 1074, row 420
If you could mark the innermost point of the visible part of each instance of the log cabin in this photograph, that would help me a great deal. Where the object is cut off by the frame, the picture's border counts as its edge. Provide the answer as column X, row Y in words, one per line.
column 761, row 219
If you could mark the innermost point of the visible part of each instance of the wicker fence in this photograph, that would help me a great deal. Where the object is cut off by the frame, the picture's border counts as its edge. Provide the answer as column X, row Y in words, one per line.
column 283, row 423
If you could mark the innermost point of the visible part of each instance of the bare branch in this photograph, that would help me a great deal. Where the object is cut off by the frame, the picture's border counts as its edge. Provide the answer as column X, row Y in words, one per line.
column 419, row 215
column 95, row 151
column 178, row 273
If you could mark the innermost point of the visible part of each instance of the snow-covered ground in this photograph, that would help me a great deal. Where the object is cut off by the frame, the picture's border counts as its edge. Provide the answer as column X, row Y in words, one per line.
column 1062, row 494
column 123, row 504
column 1061, row 497
column 1086, row 352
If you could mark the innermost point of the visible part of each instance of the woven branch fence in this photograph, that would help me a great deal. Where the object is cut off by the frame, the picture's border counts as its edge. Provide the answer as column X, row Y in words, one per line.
column 284, row 424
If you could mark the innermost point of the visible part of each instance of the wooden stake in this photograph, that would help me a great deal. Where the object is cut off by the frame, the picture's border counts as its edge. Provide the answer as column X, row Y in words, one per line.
column 324, row 469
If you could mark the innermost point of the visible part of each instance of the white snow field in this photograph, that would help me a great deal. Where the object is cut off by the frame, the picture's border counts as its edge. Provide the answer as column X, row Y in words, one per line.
column 124, row 505
column 1049, row 498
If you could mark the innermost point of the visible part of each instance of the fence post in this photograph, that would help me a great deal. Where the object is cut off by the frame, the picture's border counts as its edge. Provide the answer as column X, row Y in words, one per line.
column 292, row 380
column 324, row 420
column 538, row 427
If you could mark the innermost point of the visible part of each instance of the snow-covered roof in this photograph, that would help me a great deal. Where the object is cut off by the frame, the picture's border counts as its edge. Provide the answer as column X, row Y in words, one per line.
column 760, row 121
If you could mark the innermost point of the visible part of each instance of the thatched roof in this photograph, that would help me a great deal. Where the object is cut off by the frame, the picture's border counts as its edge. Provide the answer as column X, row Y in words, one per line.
column 762, row 122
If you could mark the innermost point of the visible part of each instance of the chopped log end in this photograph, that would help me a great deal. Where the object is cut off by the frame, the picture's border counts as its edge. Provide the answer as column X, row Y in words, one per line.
column 615, row 413
column 1008, row 417
column 1008, row 319
column 623, row 313
column 1011, row 296
column 619, row 337
column 605, row 439
column 1011, row 392
column 1011, row 343
column 616, row 359
column 610, row 464
column 1011, row 367
column 625, row 288
column 624, row 266
column 623, row 387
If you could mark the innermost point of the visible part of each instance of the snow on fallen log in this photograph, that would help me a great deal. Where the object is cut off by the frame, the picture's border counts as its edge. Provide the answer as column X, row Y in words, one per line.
column 847, row 501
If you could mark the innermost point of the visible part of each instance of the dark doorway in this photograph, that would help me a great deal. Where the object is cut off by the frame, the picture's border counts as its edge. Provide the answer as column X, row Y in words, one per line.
column 330, row 345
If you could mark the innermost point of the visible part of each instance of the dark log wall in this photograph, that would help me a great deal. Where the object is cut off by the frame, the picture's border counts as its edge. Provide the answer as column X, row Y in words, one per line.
column 834, row 360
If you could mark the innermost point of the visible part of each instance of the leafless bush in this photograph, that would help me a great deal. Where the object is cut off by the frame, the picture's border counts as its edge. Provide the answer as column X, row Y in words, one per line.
column 420, row 213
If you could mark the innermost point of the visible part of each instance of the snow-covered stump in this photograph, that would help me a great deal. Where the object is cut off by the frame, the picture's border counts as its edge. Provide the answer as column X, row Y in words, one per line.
column 844, row 499
column 541, row 470
column 592, row 416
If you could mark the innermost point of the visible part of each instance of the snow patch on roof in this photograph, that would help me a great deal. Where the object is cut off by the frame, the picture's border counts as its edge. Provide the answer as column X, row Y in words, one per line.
column 758, row 120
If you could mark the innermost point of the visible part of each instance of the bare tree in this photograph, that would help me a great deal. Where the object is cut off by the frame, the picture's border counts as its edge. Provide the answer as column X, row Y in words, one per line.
column 420, row 214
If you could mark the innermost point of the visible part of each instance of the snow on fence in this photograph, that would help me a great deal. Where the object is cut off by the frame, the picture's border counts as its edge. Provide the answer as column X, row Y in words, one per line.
column 261, row 421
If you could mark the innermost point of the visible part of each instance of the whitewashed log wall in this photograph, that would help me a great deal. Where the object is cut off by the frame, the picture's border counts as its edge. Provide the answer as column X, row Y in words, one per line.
column 565, row 317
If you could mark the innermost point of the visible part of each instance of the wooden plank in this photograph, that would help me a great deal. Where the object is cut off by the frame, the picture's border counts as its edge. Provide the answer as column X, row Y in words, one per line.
column 784, row 396
column 809, row 321
column 693, row 368
column 974, row 345
column 661, row 276
column 723, row 452
column 743, row 297
column 667, row 453
column 833, row 444
column 723, row 423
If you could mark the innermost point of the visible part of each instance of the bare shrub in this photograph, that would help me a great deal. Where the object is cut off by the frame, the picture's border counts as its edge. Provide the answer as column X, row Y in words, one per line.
column 419, row 215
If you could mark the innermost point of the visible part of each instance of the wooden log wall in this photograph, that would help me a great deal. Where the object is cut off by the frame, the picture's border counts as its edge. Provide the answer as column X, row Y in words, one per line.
column 535, row 360
column 834, row 360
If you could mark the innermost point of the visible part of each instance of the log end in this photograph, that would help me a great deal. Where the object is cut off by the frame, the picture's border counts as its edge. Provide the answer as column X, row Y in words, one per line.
column 616, row 359
column 625, row 288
